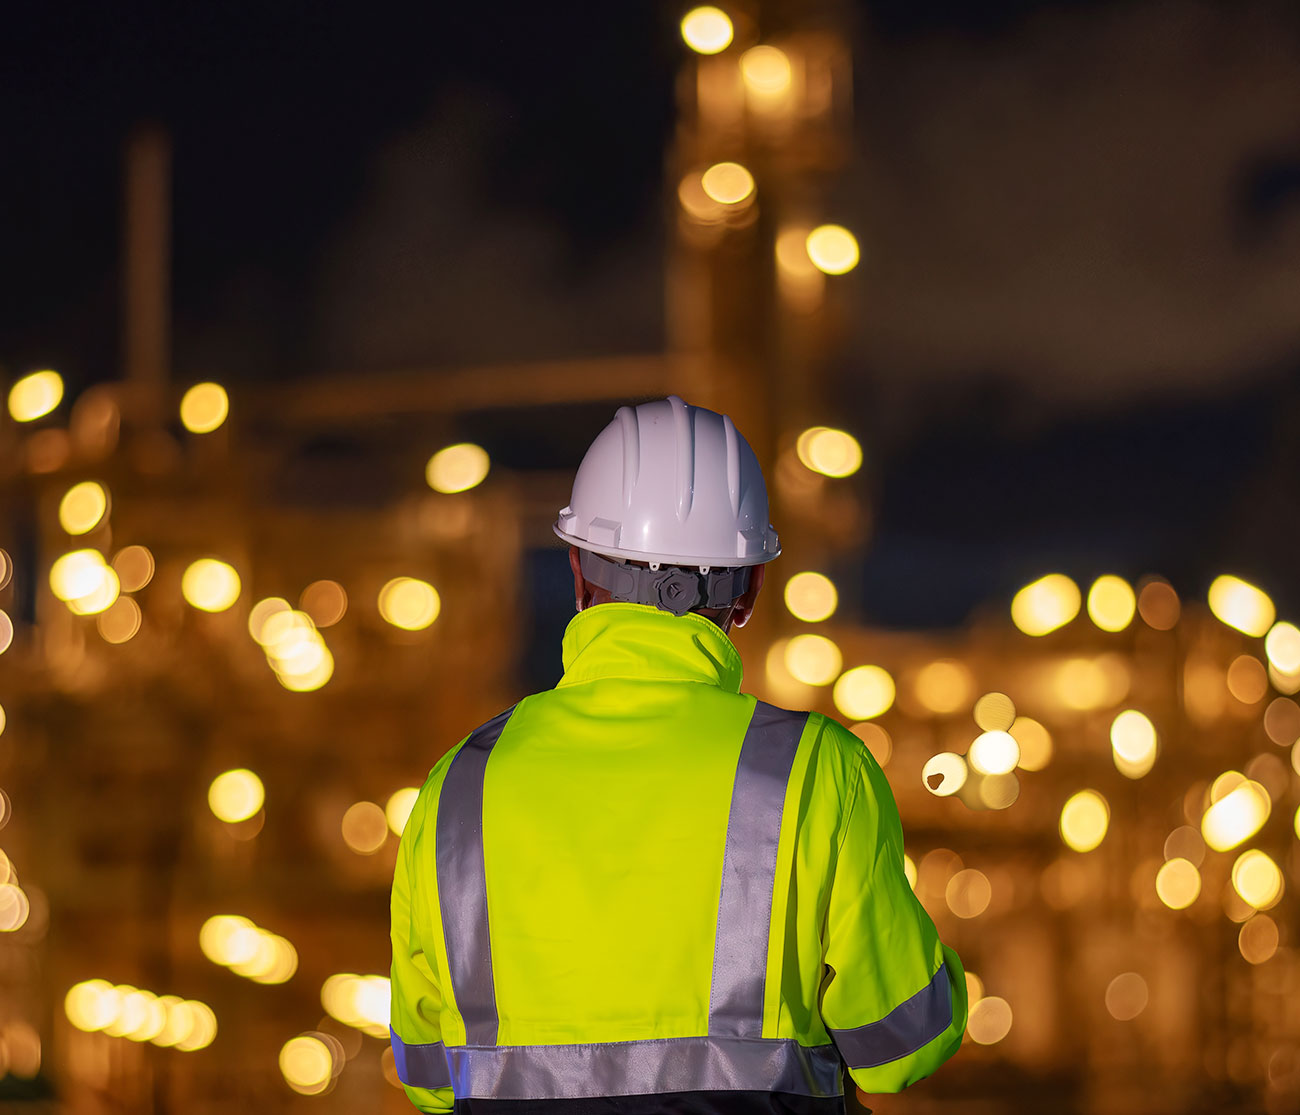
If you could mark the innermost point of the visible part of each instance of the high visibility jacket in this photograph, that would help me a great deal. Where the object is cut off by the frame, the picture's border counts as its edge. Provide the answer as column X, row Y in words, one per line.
column 645, row 883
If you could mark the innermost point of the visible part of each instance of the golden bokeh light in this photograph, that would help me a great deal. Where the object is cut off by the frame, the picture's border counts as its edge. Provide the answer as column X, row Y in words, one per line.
column 944, row 686
column 15, row 907
column 728, row 184
column 995, row 752
column 864, row 692
column 1186, row 843
column 203, row 1027
column 811, row 597
column 457, row 468
column 365, row 827
column 120, row 622
column 1222, row 786
column 236, row 795
column 397, row 810
column 363, row 1002
column 813, row 659
column 1282, row 721
column 83, row 507
column 6, row 631
column 1158, row 605
column 325, row 601
column 909, row 871
column 1134, row 744
column 1282, row 645
column 833, row 249
column 259, row 618
column 1258, row 939
column 77, row 574
column 1236, row 816
column 1085, row 818
column 204, row 408
column 1035, row 743
column 409, row 603
column 999, row 791
column 1257, row 879
column 875, row 739
column 1111, row 603
column 1045, row 604
column 995, row 712
column 1178, row 883
column 134, row 566
column 1241, row 605
column 989, row 1020
column 228, row 939
column 210, row 585
column 944, row 774
column 707, row 30
column 88, row 1006
column 306, row 1064
column 1126, row 996
column 766, row 70
column 35, row 395
column 974, row 987
column 1090, row 683
column 830, row 452
column 1247, row 679
column 968, row 893
column 139, row 1015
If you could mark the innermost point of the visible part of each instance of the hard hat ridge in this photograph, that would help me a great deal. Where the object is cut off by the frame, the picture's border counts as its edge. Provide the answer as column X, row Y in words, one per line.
column 667, row 482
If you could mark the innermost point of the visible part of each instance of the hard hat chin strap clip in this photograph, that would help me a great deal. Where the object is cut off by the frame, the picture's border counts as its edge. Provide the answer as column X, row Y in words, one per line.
column 673, row 589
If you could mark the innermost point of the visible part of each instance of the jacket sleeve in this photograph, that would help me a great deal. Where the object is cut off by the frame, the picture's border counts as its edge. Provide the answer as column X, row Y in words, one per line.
column 416, row 998
column 895, row 1001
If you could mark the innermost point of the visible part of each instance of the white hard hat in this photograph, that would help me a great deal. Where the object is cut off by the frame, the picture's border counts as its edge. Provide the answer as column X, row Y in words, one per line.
column 670, row 483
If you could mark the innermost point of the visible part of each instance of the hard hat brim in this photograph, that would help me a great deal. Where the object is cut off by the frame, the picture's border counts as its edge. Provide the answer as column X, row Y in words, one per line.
column 668, row 559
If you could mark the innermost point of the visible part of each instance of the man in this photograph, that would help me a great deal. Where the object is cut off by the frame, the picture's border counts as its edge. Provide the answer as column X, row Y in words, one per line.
column 643, row 890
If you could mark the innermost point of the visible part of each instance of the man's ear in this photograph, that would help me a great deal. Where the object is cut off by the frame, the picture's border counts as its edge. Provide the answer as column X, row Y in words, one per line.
column 745, row 605
column 579, row 581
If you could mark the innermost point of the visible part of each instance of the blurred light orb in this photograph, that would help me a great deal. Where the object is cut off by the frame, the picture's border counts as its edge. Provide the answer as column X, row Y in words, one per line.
column 1126, row 996
column 830, row 452
column 306, row 1064
column 1257, row 879
column 87, row 1006
column 1247, row 679
column 325, row 601
column 134, row 566
column 1222, row 786
column 944, row 774
column 707, row 30
column 1258, row 939
column 1282, row 645
column 457, row 468
column 1085, row 817
column 1178, row 883
column 203, row 1029
column 120, row 622
column 999, row 791
column 298, row 677
column 811, row 597
column 1237, row 816
column 968, row 893
column 365, row 827
column 944, row 686
column 728, row 183
column 1045, row 604
column 1133, row 742
column 974, row 987
column 226, row 938
column 398, row 808
column 409, row 603
column 813, row 659
column 1158, row 605
column 14, row 907
column 1241, row 605
column 909, row 871
column 6, row 635
column 875, row 739
column 833, row 249
column 260, row 615
column 3, row 721
column 204, row 408
column 1111, row 603
column 101, row 598
column 766, row 70
column 236, row 795
column 989, row 1020
column 864, row 692
column 995, row 753
column 1035, row 743
column 1186, row 843
column 77, row 574
column 181, row 1021
column 35, row 395
column 210, row 585
column 995, row 712
column 83, row 507
column 1282, row 721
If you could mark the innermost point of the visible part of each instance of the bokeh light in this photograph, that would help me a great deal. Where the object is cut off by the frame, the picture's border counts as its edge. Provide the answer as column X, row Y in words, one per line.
column 307, row 1064
column 1134, row 744
column 811, row 597
column 728, row 184
column 944, row 686
column 1258, row 939
column 120, row 622
column 1085, row 818
column 134, row 566
column 989, row 1020
column 83, row 507
column 864, row 692
column 944, row 774
column 1178, row 883
column 968, row 893
column 1126, row 996
column 398, row 808
column 457, row 468
column 1035, row 743
column 325, row 601
column 210, row 585
column 204, row 408
column 1045, row 604
column 1282, row 645
column 1257, row 879
column 813, row 659
column 830, row 452
column 833, row 249
column 365, row 827
column 1236, row 816
column 236, row 795
column 995, row 753
column 1111, row 603
column 707, row 30
column 766, row 70
column 995, row 712
column 35, row 395
column 1241, row 605
column 409, row 603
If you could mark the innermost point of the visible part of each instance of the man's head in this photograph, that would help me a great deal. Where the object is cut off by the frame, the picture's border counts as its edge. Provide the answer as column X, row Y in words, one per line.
column 669, row 508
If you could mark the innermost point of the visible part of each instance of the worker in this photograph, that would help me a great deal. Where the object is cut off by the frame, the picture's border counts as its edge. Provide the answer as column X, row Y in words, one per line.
column 644, row 890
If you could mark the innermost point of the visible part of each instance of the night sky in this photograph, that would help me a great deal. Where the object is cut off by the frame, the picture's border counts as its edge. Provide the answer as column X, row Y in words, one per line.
column 1078, row 337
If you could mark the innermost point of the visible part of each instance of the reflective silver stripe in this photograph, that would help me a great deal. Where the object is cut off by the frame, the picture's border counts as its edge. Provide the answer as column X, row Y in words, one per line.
column 420, row 1066
column 462, row 882
column 628, row 1068
column 904, row 1030
column 749, row 869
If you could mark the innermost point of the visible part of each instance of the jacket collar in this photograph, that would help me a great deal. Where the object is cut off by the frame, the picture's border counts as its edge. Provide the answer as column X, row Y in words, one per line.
column 625, row 640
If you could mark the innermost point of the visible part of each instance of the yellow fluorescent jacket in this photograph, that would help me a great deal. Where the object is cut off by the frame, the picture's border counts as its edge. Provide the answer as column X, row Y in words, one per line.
column 645, row 881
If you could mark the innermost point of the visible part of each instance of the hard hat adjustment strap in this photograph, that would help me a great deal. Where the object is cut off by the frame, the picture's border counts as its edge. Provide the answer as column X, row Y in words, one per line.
column 674, row 589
